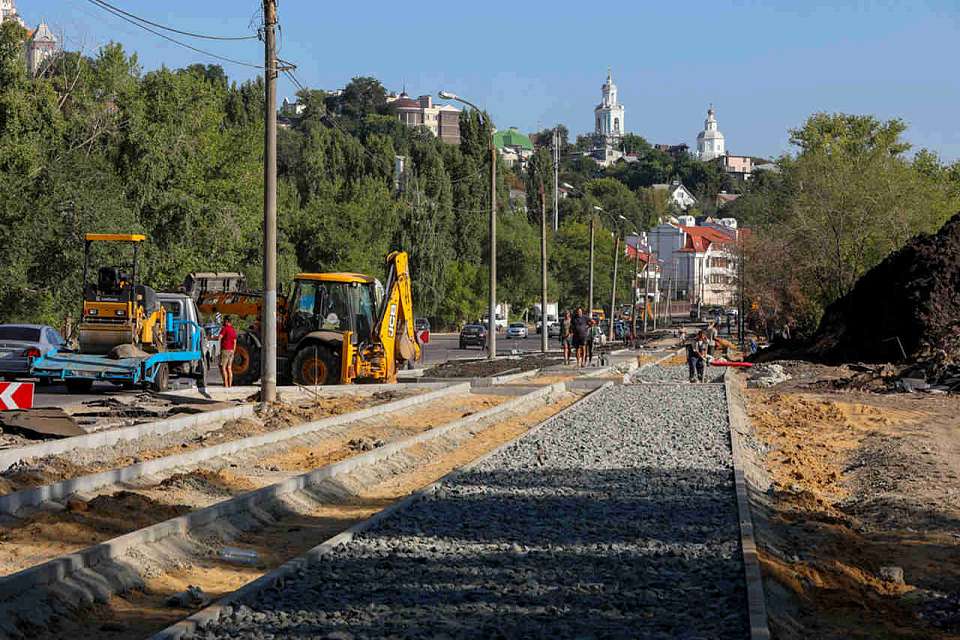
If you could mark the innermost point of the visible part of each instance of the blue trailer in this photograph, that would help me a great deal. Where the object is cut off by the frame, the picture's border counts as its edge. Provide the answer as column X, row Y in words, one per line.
column 80, row 370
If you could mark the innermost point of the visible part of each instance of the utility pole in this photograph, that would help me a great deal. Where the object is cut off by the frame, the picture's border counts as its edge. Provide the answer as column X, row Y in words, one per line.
column 636, row 285
column 593, row 217
column 556, row 180
column 543, row 270
column 656, row 294
column 492, row 325
column 613, row 289
column 268, row 377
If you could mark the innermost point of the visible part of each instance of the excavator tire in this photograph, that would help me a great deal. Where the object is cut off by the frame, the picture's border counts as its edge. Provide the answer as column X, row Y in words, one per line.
column 246, row 361
column 314, row 364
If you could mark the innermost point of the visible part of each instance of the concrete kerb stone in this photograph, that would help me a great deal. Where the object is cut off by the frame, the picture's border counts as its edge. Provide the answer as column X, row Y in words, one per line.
column 275, row 578
column 61, row 569
column 12, row 502
column 756, row 602
column 110, row 437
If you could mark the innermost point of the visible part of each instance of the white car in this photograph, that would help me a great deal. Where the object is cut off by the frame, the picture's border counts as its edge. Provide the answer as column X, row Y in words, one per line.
column 517, row 330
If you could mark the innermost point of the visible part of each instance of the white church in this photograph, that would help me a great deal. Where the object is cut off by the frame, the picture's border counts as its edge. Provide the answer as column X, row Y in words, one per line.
column 609, row 128
column 710, row 142
column 41, row 43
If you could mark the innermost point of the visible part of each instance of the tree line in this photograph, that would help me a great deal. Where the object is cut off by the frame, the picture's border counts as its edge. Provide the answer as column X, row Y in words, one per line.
column 96, row 144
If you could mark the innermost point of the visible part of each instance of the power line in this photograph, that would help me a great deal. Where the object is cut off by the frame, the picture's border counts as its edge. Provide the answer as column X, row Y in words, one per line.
column 107, row 5
column 120, row 15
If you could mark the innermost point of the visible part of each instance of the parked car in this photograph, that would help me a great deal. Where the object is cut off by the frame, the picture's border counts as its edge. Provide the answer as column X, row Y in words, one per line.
column 517, row 330
column 473, row 335
column 21, row 343
column 553, row 329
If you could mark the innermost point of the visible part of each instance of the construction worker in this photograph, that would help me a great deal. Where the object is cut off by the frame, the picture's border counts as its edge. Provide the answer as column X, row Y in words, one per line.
column 711, row 334
column 228, row 343
column 697, row 356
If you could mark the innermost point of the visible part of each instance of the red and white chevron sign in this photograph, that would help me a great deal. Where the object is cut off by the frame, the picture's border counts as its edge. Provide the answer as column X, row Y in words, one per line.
column 16, row 395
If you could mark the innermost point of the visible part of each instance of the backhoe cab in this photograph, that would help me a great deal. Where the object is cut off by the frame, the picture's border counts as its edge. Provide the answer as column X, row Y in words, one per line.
column 117, row 309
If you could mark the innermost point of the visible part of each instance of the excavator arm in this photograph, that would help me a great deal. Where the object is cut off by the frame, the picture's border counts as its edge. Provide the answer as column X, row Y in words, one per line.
column 393, row 339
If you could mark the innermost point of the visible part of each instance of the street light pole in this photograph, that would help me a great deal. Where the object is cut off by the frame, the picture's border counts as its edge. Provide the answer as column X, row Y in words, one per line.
column 636, row 285
column 590, row 301
column 492, row 307
column 543, row 271
column 613, row 289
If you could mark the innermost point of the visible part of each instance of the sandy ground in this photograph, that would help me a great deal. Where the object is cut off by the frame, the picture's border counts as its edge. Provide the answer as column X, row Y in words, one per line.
column 279, row 416
column 139, row 613
column 41, row 536
column 860, row 481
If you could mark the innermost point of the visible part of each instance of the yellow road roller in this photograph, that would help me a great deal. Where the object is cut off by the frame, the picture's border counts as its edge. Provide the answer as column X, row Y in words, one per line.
column 118, row 311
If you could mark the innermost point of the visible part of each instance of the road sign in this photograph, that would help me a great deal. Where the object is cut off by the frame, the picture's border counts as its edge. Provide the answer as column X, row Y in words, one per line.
column 16, row 395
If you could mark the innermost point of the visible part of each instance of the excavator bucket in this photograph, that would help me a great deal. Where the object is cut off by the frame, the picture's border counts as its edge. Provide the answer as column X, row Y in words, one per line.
column 196, row 284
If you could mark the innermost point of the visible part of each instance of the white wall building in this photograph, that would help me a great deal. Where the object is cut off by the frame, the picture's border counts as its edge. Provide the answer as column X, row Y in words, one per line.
column 710, row 142
column 698, row 262
column 8, row 11
column 679, row 196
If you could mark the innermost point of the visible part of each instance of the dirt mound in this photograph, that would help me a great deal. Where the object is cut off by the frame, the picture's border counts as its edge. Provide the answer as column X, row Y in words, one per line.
column 907, row 308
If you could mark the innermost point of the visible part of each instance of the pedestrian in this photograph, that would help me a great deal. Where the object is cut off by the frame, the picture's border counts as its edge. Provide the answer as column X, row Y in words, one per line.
column 697, row 356
column 228, row 343
column 566, row 327
column 711, row 334
column 579, row 330
column 594, row 340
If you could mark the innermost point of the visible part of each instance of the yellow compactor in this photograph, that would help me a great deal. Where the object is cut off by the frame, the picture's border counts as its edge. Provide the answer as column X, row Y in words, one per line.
column 117, row 309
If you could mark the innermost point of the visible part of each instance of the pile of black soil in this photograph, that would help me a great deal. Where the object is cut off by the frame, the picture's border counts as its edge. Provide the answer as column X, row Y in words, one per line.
column 906, row 309
column 485, row 368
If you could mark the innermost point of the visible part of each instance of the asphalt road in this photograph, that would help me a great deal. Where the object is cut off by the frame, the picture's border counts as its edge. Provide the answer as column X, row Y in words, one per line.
column 442, row 347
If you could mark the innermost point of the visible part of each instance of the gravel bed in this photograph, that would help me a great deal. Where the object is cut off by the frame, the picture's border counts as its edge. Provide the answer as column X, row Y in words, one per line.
column 616, row 520
column 672, row 373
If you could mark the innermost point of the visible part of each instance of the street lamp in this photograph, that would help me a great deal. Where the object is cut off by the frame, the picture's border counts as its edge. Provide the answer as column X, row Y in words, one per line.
column 544, row 331
column 492, row 311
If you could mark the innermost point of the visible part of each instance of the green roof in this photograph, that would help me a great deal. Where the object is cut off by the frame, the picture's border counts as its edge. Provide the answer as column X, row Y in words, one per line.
column 512, row 138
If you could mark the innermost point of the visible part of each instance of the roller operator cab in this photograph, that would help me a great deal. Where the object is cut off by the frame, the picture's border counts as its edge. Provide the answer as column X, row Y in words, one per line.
column 117, row 308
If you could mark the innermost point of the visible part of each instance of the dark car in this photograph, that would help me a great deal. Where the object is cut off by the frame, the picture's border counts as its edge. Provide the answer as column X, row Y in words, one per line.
column 473, row 335
column 21, row 343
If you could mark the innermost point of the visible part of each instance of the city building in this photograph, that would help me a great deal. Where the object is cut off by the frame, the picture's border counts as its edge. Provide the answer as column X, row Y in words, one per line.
column 679, row 197
column 675, row 151
column 710, row 142
column 513, row 146
column 442, row 120
column 698, row 263
column 41, row 43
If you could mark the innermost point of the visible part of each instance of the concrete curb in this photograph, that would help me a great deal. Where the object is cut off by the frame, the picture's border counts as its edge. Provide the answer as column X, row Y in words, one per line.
column 275, row 578
column 756, row 602
column 105, row 554
column 110, row 437
column 11, row 502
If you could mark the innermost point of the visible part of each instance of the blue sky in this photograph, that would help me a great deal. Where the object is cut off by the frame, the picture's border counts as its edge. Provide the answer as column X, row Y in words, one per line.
column 765, row 65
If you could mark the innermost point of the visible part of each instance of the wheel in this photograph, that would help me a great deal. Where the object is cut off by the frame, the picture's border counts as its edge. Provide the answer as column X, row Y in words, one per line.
column 315, row 365
column 161, row 379
column 79, row 385
column 200, row 373
column 246, row 361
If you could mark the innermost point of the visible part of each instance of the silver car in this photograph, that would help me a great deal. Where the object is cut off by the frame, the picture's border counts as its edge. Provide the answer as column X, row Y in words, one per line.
column 22, row 343
column 517, row 330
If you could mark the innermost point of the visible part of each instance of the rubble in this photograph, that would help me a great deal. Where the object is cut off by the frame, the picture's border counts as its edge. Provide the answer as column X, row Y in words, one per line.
column 905, row 310
column 767, row 375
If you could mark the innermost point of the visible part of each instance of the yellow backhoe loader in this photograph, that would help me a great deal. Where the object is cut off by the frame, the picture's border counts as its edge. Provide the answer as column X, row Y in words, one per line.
column 334, row 328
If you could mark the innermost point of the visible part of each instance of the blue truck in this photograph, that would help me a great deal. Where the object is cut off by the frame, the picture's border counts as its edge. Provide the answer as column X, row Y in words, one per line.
column 183, row 355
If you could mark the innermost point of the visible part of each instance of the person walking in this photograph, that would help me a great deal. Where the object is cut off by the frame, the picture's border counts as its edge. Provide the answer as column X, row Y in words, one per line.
column 593, row 340
column 228, row 343
column 566, row 327
column 697, row 356
column 580, row 329
column 711, row 335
